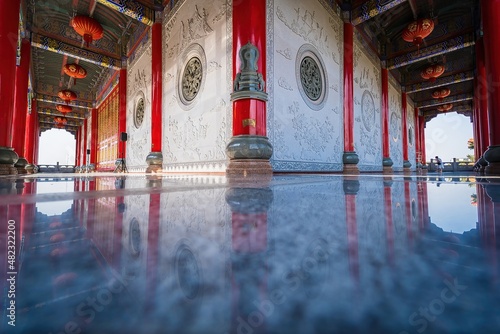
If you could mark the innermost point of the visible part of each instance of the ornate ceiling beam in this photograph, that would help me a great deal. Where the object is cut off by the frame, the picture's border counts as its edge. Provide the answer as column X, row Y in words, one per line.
column 56, row 46
column 372, row 8
column 132, row 9
column 449, row 80
column 53, row 123
column 450, row 99
column 447, row 46
column 56, row 100
column 52, row 112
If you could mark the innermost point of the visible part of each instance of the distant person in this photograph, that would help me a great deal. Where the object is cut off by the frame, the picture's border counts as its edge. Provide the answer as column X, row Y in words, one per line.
column 439, row 164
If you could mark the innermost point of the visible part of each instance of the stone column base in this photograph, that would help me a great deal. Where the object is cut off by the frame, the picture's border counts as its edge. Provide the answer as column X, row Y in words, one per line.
column 350, row 161
column 249, row 167
column 7, row 160
column 6, row 169
column 493, row 168
column 406, row 170
column 387, row 170
column 155, row 162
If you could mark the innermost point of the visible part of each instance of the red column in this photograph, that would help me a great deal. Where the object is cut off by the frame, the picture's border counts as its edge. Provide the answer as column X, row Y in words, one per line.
column 93, row 137
column 156, row 114
column 348, row 87
column 21, row 99
column 29, row 139
column 349, row 158
column 36, row 140
column 85, row 142
column 352, row 236
column 408, row 214
column 404, row 123
column 249, row 25
column 122, row 112
column 418, row 147
column 491, row 26
column 481, row 95
column 9, row 25
column 77, row 147
column 421, row 125
column 386, row 153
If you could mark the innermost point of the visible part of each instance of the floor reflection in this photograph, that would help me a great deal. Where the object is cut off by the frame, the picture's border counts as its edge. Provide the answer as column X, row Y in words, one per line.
column 292, row 254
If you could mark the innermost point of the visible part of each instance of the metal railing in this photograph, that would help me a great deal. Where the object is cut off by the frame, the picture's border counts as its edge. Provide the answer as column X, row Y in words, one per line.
column 452, row 166
column 56, row 168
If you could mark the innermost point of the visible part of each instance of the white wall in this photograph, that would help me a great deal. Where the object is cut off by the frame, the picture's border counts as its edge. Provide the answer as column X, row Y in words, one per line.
column 395, row 128
column 195, row 135
column 139, row 86
column 304, row 136
column 367, row 116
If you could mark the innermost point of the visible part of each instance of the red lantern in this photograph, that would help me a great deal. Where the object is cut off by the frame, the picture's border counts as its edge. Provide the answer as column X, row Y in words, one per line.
column 433, row 72
column 64, row 108
column 87, row 27
column 418, row 30
column 441, row 93
column 445, row 107
column 67, row 95
column 60, row 120
column 75, row 71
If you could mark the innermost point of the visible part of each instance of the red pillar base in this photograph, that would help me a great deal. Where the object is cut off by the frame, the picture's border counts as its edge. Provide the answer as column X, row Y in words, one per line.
column 7, row 160
column 249, row 167
column 387, row 170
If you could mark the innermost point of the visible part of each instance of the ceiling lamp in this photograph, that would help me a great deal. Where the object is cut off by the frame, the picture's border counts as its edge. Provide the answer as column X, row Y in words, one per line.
column 432, row 72
column 67, row 95
column 87, row 27
column 445, row 107
column 60, row 120
column 75, row 71
column 416, row 31
column 64, row 108
column 441, row 93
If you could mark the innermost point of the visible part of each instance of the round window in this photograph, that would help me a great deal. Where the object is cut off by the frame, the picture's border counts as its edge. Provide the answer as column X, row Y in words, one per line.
column 311, row 77
column 139, row 113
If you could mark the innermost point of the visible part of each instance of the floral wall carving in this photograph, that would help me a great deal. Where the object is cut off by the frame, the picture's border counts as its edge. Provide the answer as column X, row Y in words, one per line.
column 304, row 136
column 139, row 86
column 395, row 128
column 367, row 116
column 195, row 135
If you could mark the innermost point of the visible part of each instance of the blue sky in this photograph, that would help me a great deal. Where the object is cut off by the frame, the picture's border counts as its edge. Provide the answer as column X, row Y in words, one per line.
column 447, row 136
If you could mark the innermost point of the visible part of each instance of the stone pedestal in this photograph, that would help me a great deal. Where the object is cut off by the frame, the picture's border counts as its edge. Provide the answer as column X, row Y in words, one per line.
column 155, row 162
column 492, row 156
column 7, row 160
column 249, row 155
column 350, row 160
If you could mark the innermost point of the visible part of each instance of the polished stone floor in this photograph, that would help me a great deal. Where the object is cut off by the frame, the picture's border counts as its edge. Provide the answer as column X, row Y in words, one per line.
column 115, row 253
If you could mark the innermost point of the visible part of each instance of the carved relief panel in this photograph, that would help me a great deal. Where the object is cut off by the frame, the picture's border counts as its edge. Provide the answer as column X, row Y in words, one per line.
column 395, row 128
column 411, row 136
column 196, row 118
column 305, row 86
column 139, row 112
column 367, row 116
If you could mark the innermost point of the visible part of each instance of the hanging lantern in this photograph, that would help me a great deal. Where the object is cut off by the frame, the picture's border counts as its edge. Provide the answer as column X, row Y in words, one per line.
column 61, row 120
column 67, row 95
column 87, row 27
column 445, row 107
column 75, row 71
column 416, row 31
column 64, row 108
column 432, row 72
column 441, row 93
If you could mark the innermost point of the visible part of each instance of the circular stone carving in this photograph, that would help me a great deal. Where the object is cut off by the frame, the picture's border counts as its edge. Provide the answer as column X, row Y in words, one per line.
column 187, row 272
column 134, row 237
column 368, row 110
column 139, row 112
column 394, row 121
column 311, row 77
column 191, row 76
column 410, row 136
column 191, row 79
